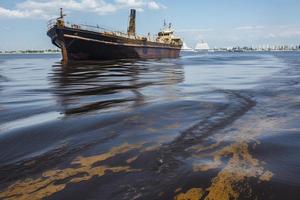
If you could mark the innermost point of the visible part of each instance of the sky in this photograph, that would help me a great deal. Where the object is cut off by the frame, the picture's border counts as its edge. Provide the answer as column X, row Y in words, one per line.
column 220, row 23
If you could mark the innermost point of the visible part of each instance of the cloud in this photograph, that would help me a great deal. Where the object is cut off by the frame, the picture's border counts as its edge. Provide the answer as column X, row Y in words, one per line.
column 249, row 27
column 47, row 9
column 153, row 5
column 13, row 13
column 278, row 31
column 288, row 32
column 130, row 3
column 195, row 30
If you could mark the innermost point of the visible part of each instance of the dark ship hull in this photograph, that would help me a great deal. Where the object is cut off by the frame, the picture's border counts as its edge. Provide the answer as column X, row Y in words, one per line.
column 80, row 44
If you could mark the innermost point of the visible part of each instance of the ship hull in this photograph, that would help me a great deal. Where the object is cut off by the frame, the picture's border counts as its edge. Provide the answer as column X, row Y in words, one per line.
column 77, row 44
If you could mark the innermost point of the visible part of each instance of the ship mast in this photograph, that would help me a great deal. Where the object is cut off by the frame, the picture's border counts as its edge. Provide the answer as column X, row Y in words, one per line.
column 60, row 20
column 61, row 13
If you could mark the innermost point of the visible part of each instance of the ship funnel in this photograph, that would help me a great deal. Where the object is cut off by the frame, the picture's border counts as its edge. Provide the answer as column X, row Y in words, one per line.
column 131, row 26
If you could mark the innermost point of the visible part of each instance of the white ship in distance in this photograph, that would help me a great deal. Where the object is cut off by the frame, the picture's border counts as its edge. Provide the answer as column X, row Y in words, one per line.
column 202, row 47
column 186, row 48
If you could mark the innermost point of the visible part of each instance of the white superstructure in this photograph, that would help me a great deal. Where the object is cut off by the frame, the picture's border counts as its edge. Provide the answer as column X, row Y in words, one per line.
column 202, row 46
column 186, row 48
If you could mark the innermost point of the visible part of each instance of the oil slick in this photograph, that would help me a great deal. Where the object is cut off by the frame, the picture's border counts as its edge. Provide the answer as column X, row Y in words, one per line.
column 191, row 194
column 229, row 181
column 55, row 180
column 233, row 161
column 240, row 166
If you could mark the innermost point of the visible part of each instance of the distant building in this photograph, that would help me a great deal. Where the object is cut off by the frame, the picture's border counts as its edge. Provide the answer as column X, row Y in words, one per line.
column 48, row 51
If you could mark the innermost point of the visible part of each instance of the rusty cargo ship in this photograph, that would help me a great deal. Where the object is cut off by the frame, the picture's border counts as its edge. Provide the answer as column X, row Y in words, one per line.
column 83, row 42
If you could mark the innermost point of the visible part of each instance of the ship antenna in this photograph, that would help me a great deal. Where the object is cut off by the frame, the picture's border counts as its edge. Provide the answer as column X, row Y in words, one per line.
column 60, row 21
column 62, row 13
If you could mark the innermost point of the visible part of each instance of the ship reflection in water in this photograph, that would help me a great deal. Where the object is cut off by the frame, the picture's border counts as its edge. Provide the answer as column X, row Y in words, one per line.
column 110, row 85
column 204, row 126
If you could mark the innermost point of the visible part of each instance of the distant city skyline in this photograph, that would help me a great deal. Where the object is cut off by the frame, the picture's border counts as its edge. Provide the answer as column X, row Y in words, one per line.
column 220, row 23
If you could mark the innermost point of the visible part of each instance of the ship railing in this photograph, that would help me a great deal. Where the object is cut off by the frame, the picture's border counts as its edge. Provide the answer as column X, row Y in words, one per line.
column 102, row 29
column 51, row 23
column 98, row 28
column 105, row 30
column 109, row 31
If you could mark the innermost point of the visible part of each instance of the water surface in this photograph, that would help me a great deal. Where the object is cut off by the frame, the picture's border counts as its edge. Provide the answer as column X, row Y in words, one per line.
column 204, row 126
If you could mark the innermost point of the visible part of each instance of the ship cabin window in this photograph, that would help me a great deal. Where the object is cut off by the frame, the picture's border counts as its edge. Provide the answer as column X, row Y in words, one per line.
column 163, row 34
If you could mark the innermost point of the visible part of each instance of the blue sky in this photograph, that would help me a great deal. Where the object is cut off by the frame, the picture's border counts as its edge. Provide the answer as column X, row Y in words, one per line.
column 221, row 23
